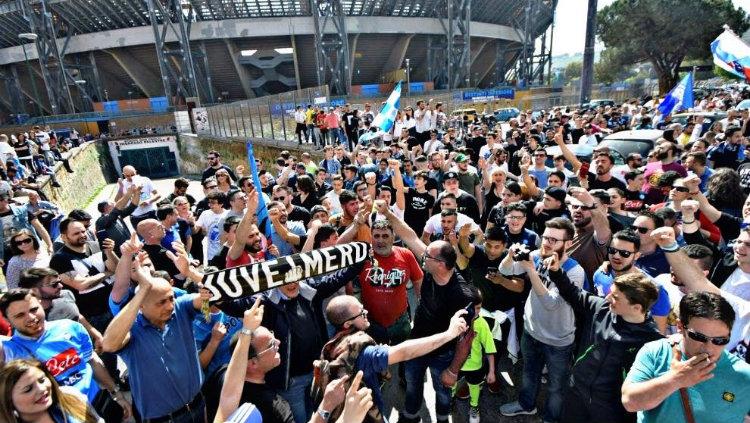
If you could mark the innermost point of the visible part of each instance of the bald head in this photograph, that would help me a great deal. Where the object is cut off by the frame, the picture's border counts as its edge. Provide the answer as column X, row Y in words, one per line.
column 339, row 309
column 150, row 230
column 128, row 172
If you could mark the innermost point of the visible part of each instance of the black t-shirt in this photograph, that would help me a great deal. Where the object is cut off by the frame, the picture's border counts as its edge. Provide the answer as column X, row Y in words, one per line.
column 475, row 143
column 94, row 301
column 300, row 214
column 271, row 405
column 351, row 122
column 158, row 256
column 306, row 341
column 466, row 204
column 634, row 200
column 220, row 260
column 418, row 207
column 612, row 183
column 494, row 297
column 210, row 171
column 437, row 304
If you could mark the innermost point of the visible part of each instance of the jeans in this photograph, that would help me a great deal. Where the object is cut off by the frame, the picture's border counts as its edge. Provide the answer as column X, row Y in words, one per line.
column 535, row 355
column 298, row 397
column 415, row 385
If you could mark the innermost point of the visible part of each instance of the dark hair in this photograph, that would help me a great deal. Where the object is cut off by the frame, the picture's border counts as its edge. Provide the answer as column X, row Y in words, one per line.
column 564, row 224
column 514, row 187
column 324, row 232
column 666, row 213
column 13, row 295
column 346, row 196
column 79, row 215
column 724, row 190
column 667, row 178
column 496, row 233
column 658, row 221
column 628, row 236
column 517, row 206
column 558, row 173
column 705, row 305
column 629, row 176
column 701, row 253
column 164, row 210
column 214, row 152
column 638, row 289
column 242, row 180
column 306, row 184
column 351, row 168
column 218, row 196
column 232, row 193
column 207, row 180
column 65, row 223
column 730, row 131
column 229, row 222
column 14, row 248
column 475, row 295
column 181, row 183
column 601, row 194
column 447, row 254
column 699, row 157
column 33, row 276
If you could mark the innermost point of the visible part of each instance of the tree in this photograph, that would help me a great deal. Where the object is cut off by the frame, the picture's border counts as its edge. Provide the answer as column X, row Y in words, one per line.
column 609, row 68
column 573, row 70
column 665, row 32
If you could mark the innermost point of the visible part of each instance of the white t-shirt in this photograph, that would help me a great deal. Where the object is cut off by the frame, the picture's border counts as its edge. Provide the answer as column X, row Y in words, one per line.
column 433, row 224
column 424, row 123
column 210, row 221
column 739, row 341
column 431, row 146
column 7, row 151
column 147, row 190
column 738, row 283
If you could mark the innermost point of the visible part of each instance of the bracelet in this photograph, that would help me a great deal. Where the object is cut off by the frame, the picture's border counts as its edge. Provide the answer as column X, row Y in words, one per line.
column 671, row 248
column 246, row 332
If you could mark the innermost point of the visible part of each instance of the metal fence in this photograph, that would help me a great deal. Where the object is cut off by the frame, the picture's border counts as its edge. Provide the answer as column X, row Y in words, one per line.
column 272, row 117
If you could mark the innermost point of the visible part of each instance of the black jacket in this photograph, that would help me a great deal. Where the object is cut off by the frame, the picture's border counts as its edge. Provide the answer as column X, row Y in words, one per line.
column 312, row 293
column 607, row 344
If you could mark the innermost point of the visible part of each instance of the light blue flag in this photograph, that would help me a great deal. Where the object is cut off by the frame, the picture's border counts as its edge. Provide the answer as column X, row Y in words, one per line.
column 681, row 96
column 262, row 210
column 387, row 116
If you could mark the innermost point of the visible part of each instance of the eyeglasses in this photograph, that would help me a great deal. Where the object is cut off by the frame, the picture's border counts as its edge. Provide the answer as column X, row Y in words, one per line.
column 222, row 175
column 640, row 229
column 23, row 241
column 212, row 187
column 274, row 345
column 210, row 158
column 362, row 313
column 681, row 189
column 699, row 337
column 426, row 256
column 623, row 253
column 552, row 240
column 279, row 198
column 515, row 217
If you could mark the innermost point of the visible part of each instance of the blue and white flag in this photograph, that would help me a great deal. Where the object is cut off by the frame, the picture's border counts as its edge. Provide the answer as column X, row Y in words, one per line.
column 732, row 54
column 387, row 116
column 681, row 96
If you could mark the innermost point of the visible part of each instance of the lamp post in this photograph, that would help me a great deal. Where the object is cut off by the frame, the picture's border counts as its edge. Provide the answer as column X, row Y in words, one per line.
column 408, row 76
column 30, row 36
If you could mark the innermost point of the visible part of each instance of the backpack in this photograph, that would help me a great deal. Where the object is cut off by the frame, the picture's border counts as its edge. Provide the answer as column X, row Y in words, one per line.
column 338, row 358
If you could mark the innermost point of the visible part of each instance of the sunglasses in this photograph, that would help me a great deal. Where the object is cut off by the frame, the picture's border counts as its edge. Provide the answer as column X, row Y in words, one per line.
column 699, row 337
column 580, row 206
column 623, row 253
column 279, row 198
column 426, row 256
column 52, row 284
column 23, row 241
column 275, row 343
column 640, row 229
column 682, row 189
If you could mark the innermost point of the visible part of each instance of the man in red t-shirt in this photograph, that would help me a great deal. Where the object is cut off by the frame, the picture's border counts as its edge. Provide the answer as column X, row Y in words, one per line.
column 384, row 288
column 247, row 246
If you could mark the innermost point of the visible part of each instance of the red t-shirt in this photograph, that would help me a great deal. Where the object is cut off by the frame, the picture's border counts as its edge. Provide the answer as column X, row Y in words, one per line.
column 245, row 259
column 384, row 289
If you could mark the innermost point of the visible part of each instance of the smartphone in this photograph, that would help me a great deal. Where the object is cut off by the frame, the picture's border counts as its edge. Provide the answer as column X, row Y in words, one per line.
column 469, row 316
column 101, row 235
column 583, row 172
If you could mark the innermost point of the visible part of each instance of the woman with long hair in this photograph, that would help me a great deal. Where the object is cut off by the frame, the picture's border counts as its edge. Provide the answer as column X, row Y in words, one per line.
column 307, row 196
column 494, row 186
column 30, row 394
column 224, row 181
column 25, row 151
column 26, row 253
column 725, row 192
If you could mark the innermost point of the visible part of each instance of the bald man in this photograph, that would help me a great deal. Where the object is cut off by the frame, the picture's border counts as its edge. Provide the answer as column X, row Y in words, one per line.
column 153, row 334
column 149, row 196
column 152, row 232
column 349, row 316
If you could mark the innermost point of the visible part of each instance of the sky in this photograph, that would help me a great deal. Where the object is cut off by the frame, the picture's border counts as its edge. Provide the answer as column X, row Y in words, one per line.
column 570, row 24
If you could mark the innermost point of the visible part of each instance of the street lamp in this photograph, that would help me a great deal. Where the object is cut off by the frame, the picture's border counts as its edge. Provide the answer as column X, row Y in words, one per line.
column 30, row 36
column 408, row 82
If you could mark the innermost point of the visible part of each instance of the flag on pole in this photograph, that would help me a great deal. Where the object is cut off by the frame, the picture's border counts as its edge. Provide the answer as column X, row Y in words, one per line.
column 387, row 116
column 262, row 210
column 681, row 96
column 732, row 54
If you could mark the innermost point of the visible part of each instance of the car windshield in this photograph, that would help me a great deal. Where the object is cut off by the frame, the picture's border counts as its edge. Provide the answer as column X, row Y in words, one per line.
column 707, row 119
column 624, row 147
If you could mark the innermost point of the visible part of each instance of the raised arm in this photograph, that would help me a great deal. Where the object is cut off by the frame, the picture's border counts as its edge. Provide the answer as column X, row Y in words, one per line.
column 682, row 266
column 414, row 348
column 569, row 156
column 117, row 334
column 602, row 231
column 402, row 230
column 243, row 228
column 398, row 184
column 712, row 213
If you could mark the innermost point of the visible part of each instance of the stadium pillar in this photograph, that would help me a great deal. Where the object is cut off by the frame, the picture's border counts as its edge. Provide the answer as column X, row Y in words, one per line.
column 587, row 74
column 332, row 58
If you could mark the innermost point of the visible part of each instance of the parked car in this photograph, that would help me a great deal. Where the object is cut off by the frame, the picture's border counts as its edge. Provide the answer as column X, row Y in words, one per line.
column 636, row 141
column 597, row 102
column 583, row 152
column 743, row 105
column 507, row 113
column 708, row 118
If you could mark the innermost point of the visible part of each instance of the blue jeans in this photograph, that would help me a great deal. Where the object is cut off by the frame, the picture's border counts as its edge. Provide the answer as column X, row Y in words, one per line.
column 535, row 355
column 298, row 397
column 414, row 373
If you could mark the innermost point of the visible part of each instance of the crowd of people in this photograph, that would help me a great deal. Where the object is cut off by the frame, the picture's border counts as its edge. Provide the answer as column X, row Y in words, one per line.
column 624, row 288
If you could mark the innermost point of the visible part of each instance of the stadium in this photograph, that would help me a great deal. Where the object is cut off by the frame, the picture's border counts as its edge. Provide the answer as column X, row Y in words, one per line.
column 80, row 55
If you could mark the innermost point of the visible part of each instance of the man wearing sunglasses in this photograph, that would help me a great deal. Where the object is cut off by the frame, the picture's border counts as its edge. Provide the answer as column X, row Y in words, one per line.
column 696, row 376
column 589, row 216
column 652, row 259
column 622, row 255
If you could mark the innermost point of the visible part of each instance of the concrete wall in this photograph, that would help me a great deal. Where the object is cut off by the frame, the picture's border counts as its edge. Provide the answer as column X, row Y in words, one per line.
column 93, row 171
column 193, row 151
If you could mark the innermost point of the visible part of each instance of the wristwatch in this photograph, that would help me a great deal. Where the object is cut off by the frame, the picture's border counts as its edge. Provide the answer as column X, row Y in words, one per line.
column 325, row 415
column 246, row 331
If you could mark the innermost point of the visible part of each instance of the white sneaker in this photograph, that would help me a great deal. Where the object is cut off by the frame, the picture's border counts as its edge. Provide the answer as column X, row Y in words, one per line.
column 474, row 415
column 514, row 409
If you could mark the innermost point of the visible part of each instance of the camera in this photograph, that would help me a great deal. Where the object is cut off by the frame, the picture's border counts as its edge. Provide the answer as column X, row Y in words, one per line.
column 522, row 254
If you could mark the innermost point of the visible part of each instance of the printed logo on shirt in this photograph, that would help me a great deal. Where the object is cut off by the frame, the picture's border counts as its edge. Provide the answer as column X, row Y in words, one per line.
column 377, row 276
column 418, row 203
column 727, row 396
column 63, row 362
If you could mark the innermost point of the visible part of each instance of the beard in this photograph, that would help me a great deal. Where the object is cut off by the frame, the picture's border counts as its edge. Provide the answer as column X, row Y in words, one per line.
column 662, row 155
column 253, row 248
column 544, row 252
